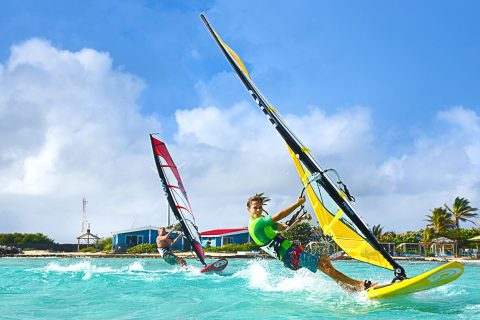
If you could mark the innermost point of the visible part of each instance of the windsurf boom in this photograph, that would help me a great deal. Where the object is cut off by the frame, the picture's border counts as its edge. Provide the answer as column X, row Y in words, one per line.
column 331, row 203
column 177, row 196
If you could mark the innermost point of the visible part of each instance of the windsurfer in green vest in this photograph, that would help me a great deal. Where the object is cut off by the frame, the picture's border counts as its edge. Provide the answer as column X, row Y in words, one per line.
column 265, row 233
column 164, row 242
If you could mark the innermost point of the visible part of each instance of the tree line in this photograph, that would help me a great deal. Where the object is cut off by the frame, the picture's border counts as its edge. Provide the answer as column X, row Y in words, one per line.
column 441, row 222
column 24, row 238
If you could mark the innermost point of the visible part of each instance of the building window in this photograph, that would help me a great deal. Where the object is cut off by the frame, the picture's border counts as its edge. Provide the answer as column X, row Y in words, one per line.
column 227, row 240
column 207, row 242
column 134, row 240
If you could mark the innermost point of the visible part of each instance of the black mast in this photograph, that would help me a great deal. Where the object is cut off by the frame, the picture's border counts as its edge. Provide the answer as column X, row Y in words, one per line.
column 309, row 163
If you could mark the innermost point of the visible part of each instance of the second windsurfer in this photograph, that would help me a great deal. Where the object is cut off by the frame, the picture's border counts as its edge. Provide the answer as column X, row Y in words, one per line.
column 265, row 233
column 164, row 242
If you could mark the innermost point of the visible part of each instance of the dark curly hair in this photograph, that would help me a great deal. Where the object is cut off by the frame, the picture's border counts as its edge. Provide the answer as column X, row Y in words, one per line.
column 258, row 197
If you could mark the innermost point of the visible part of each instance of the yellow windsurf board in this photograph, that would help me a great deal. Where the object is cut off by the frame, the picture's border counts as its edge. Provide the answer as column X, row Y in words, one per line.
column 428, row 280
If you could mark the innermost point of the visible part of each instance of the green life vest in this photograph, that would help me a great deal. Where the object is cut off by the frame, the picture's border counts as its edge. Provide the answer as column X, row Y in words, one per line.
column 264, row 232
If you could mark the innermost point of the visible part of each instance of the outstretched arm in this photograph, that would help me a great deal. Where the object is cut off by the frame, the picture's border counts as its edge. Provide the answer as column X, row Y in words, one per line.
column 285, row 212
column 163, row 238
column 177, row 238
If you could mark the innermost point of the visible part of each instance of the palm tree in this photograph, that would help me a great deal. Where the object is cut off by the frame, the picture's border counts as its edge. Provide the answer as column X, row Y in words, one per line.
column 427, row 237
column 377, row 231
column 388, row 236
column 440, row 219
column 461, row 210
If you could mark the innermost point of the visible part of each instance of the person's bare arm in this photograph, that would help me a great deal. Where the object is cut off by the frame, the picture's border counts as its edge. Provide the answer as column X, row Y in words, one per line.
column 177, row 238
column 285, row 212
column 163, row 238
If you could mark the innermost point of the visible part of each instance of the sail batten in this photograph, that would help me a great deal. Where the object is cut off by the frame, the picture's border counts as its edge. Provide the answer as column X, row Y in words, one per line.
column 349, row 231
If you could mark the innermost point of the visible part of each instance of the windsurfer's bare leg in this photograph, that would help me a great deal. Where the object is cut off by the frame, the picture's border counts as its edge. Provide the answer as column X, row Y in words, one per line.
column 325, row 265
column 181, row 262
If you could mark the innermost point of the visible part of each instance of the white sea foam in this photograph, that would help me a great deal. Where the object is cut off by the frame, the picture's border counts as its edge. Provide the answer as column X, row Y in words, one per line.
column 83, row 266
column 260, row 276
column 441, row 292
column 314, row 287
column 193, row 271
column 88, row 268
column 475, row 307
column 136, row 266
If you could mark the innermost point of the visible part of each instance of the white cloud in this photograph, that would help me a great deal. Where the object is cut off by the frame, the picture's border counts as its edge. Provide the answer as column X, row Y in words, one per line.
column 461, row 118
column 441, row 167
column 237, row 153
column 70, row 127
column 230, row 154
column 222, row 89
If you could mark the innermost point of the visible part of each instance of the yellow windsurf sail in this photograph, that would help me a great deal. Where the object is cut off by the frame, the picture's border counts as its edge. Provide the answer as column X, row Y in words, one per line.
column 334, row 212
column 333, row 223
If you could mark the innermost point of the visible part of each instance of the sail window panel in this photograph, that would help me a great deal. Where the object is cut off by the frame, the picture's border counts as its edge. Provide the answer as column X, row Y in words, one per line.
column 342, row 230
column 332, row 208
column 181, row 200
column 193, row 230
column 182, row 203
column 344, row 235
column 177, row 190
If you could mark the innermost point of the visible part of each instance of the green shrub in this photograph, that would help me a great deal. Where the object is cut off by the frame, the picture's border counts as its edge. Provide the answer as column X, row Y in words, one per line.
column 105, row 244
column 460, row 234
column 249, row 246
column 88, row 249
column 408, row 237
column 143, row 248
column 108, row 247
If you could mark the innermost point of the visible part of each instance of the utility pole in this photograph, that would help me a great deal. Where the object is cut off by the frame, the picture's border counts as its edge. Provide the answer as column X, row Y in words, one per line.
column 168, row 215
column 85, row 224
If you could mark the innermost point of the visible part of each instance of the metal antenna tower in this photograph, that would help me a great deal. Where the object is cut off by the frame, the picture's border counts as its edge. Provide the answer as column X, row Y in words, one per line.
column 85, row 224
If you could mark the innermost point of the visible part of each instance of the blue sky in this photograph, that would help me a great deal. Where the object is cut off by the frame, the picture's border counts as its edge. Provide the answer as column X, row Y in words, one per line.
column 405, row 74
column 403, row 60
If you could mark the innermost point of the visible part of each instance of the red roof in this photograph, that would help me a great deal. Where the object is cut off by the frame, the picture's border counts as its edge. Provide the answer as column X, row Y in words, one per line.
column 219, row 232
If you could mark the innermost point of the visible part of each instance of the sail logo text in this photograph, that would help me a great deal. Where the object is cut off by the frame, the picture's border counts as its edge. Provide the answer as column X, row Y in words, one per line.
column 264, row 108
column 445, row 274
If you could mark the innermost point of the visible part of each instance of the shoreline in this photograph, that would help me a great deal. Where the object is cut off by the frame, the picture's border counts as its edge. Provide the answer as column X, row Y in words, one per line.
column 210, row 255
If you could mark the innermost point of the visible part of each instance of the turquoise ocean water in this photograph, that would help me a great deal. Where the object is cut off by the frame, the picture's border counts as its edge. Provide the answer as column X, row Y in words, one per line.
column 248, row 289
